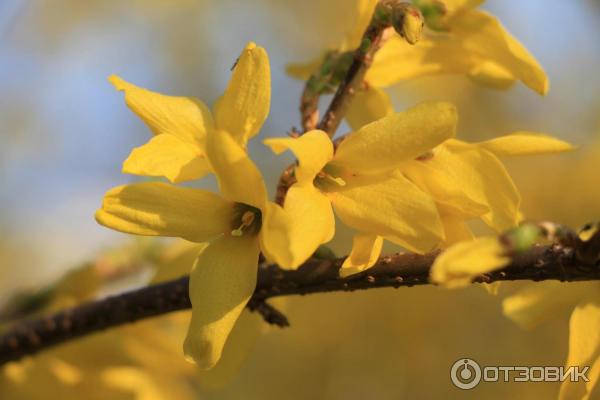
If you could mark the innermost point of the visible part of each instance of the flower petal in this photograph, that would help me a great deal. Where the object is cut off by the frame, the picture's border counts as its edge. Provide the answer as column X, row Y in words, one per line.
column 241, row 342
column 221, row 283
column 244, row 106
column 367, row 106
column 445, row 189
column 394, row 208
column 312, row 221
column 456, row 230
column 313, row 150
column 168, row 156
column 275, row 236
column 492, row 75
column 303, row 71
column 476, row 45
column 525, row 144
column 458, row 265
column 160, row 209
column 482, row 34
column 185, row 117
column 239, row 178
column 584, row 347
column 484, row 179
column 385, row 144
column 366, row 249
column 535, row 303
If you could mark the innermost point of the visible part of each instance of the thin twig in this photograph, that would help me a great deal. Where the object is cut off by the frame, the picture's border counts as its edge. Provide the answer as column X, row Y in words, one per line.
column 371, row 42
column 555, row 262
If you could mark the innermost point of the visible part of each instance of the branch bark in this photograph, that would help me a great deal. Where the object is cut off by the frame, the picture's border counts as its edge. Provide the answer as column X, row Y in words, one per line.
column 371, row 42
column 556, row 262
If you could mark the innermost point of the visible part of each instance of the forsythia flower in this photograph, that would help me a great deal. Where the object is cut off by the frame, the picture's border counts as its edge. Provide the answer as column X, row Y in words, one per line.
column 463, row 40
column 457, row 266
column 180, row 124
column 240, row 224
column 357, row 182
column 468, row 180
column 534, row 303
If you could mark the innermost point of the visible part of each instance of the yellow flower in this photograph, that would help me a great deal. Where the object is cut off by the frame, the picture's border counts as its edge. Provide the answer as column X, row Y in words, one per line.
column 537, row 302
column 239, row 225
column 584, row 350
column 357, row 182
column 458, row 265
column 466, row 41
column 180, row 124
column 467, row 180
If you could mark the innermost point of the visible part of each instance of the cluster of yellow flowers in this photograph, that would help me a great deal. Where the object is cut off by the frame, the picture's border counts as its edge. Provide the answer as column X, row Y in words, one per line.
column 399, row 176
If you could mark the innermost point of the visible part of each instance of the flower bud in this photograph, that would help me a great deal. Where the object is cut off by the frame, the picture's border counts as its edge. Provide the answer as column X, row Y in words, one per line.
column 408, row 21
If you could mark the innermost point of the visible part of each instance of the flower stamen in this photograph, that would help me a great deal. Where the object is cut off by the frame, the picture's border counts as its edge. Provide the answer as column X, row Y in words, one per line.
column 247, row 220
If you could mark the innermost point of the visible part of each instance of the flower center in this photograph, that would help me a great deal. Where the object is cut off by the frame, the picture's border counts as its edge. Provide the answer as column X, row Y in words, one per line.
column 247, row 220
column 329, row 179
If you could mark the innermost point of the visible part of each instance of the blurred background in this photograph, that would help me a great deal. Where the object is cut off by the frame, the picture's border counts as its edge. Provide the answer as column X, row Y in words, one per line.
column 64, row 132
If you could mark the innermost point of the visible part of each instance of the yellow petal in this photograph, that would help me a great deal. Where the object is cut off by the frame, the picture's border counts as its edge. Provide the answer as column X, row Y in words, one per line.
column 525, row 144
column 455, row 6
column 221, row 283
column 484, row 35
column 584, row 346
column 185, row 117
column 244, row 106
column 537, row 302
column 457, row 266
column 275, row 236
column 484, row 180
column 160, row 209
column 367, row 106
column 303, row 71
column 393, row 208
column 366, row 249
column 364, row 12
column 168, row 156
column 477, row 45
column 239, row 178
column 385, row 144
column 456, row 230
column 240, row 344
column 134, row 380
column 490, row 74
column 445, row 189
column 313, row 150
column 312, row 221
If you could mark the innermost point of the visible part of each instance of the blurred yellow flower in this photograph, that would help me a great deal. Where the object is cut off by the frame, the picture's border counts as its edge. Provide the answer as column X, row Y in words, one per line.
column 357, row 182
column 180, row 124
column 461, row 40
column 457, row 265
column 537, row 302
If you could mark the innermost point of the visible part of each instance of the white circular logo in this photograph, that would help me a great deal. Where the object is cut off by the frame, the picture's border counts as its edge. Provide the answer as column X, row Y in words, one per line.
column 465, row 373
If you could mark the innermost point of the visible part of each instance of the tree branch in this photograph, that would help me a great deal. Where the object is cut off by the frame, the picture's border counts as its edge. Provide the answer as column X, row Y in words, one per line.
column 371, row 42
column 556, row 262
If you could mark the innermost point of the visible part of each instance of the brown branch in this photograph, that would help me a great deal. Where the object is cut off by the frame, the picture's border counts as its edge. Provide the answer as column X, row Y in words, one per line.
column 371, row 42
column 556, row 262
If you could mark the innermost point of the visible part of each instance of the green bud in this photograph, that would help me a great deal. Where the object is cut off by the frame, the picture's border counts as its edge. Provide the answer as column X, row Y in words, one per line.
column 523, row 238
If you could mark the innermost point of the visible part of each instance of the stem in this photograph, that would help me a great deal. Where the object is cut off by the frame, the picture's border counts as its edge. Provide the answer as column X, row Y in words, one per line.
column 371, row 42
column 556, row 262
